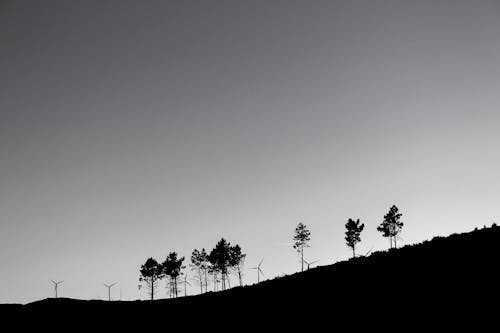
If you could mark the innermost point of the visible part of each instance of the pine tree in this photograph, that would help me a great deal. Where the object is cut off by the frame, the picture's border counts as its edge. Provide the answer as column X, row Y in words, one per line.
column 172, row 267
column 236, row 261
column 301, row 238
column 352, row 234
column 391, row 225
column 220, row 260
column 151, row 273
column 197, row 262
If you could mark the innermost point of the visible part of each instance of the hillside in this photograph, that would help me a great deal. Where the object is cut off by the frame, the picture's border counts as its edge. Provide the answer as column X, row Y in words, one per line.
column 444, row 278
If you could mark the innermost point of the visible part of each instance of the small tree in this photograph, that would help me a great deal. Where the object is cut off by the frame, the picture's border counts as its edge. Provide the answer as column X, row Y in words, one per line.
column 205, row 265
column 197, row 263
column 236, row 261
column 392, row 225
column 352, row 234
column 301, row 238
column 151, row 272
column 172, row 267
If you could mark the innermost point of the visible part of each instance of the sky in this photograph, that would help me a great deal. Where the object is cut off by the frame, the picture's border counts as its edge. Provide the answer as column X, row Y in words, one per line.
column 130, row 129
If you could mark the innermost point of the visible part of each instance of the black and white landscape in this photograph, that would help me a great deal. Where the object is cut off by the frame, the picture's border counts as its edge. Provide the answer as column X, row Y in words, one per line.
column 238, row 162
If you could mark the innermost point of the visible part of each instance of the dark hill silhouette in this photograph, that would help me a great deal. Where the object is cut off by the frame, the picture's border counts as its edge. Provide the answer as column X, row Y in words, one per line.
column 450, row 279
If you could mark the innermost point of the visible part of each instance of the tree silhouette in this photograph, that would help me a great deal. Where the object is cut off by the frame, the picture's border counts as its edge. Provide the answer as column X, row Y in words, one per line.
column 212, row 270
column 220, row 260
column 236, row 261
column 200, row 264
column 392, row 225
column 172, row 267
column 205, row 266
column 301, row 237
column 197, row 264
column 151, row 272
column 352, row 234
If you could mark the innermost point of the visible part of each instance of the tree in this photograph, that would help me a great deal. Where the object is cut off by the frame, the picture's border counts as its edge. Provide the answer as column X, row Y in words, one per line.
column 197, row 264
column 301, row 237
column 172, row 267
column 151, row 272
column 392, row 225
column 220, row 260
column 236, row 261
column 205, row 266
column 352, row 234
column 200, row 264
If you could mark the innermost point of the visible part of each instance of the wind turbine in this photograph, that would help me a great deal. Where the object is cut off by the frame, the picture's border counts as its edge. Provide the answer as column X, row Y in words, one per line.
column 109, row 286
column 259, row 270
column 56, row 284
column 185, row 283
column 310, row 263
column 366, row 254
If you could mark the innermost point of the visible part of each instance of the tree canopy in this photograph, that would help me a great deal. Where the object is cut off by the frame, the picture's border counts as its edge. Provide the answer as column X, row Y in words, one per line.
column 151, row 272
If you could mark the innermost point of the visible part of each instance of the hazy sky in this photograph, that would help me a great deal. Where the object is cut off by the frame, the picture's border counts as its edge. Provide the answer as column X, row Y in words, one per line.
column 129, row 129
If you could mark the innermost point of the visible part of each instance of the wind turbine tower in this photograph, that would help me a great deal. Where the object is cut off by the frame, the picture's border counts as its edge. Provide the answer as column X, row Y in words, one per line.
column 259, row 270
column 186, row 282
column 56, row 284
column 109, row 286
column 310, row 263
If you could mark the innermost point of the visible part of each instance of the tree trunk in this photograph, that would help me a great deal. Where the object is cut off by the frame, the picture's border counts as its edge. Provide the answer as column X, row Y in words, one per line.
column 239, row 276
column 353, row 252
column 152, row 288
column 302, row 261
column 395, row 243
column 201, row 281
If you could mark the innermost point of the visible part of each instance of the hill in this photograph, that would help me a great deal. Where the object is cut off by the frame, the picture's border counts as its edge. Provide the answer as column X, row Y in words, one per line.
column 448, row 279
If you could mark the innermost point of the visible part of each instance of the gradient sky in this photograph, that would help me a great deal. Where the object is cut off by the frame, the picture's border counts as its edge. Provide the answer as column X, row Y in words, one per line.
column 129, row 129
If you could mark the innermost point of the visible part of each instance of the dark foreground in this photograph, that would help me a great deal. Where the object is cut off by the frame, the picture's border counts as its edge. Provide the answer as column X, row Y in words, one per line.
column 450, row 282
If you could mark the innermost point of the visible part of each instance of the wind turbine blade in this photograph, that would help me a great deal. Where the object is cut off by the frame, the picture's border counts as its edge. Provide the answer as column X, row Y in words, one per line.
column 260, row 263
